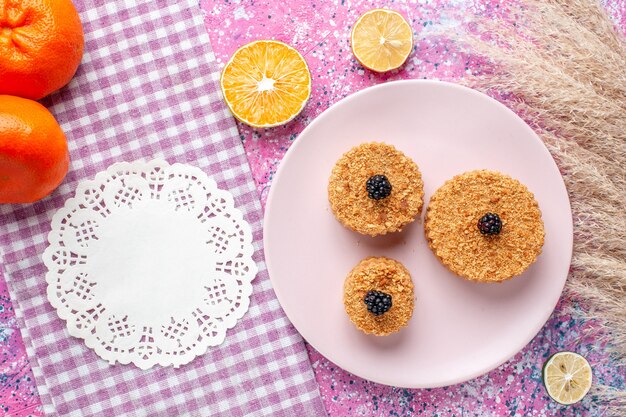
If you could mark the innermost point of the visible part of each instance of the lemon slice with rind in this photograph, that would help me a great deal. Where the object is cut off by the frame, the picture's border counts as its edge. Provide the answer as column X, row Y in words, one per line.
column 266, row 83
column 567, row 377
column 382, row 40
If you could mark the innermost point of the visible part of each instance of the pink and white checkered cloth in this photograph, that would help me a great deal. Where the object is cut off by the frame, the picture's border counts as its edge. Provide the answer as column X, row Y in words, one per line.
column 148, row 87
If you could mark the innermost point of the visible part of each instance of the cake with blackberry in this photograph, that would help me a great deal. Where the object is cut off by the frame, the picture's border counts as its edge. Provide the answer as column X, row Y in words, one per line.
column 378, row 296
column 484, row 226
column 375, row 189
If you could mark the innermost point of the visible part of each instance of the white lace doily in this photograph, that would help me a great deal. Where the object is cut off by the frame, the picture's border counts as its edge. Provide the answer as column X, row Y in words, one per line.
column 150, row 263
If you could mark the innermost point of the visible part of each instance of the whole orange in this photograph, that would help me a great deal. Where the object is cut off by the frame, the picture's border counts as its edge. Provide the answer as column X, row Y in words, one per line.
column 41, row 45
column 33, row 151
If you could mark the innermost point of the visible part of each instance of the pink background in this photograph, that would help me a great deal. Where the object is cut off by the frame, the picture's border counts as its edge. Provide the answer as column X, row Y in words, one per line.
column 320, row 31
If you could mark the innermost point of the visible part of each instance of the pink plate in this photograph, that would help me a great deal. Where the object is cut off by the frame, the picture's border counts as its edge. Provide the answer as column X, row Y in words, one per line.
column 459, row 329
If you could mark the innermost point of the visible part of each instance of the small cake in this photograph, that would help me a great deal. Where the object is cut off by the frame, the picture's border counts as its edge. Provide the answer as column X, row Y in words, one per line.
column 375, row 189
column 378, row 296
column 484, row 226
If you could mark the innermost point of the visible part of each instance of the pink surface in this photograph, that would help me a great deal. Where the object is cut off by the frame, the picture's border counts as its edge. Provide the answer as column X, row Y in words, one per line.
column 459, row 329
column 320, row 30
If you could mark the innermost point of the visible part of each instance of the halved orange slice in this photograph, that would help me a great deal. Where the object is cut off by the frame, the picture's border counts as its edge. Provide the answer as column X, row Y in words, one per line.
column 266, row 83
column 382, row 40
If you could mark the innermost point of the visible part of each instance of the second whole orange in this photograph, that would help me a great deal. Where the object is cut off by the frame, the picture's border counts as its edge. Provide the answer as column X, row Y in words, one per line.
column 41, row 45
column 33, row 151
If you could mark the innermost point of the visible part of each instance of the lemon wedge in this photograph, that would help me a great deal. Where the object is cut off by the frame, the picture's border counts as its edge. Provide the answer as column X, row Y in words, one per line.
column 567, row 377
column 382, row 40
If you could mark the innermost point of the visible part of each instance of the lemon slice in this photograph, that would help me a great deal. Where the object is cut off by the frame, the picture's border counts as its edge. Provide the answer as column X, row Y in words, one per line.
column 266, row 83
column 382, row 40
column 567, row 377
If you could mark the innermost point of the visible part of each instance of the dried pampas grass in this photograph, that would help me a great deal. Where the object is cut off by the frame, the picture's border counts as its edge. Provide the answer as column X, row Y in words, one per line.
column 564, row 66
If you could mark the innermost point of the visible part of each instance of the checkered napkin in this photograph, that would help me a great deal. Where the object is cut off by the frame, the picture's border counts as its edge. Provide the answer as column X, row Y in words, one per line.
column 148, row 87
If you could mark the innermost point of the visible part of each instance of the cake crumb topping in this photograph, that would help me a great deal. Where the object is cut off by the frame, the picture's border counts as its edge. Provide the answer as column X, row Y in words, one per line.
column 456, row 208
column 384, row 275
column 348, row 194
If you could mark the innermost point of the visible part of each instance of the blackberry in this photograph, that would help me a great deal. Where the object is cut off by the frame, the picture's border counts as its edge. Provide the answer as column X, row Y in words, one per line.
column 378, row 187
column 377, row 302
column 490, row 224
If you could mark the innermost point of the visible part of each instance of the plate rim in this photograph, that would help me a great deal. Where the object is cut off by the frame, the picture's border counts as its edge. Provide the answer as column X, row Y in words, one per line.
column 345, row 101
